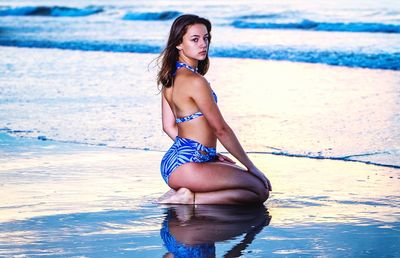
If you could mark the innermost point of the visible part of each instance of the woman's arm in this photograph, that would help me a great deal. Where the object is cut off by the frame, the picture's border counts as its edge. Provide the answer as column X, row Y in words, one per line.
column 168, row 119
column 202, row 95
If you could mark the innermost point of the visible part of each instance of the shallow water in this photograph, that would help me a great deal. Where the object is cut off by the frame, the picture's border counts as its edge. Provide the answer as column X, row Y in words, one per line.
column 274, row 107
column 338, row 113
column 63, row 199
column 344, row 33
column 208, row 231
column 82, row 179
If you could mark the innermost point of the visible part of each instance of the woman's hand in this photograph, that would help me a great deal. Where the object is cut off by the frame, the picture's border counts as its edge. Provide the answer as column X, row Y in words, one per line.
column 255, row 171
column 224, row 158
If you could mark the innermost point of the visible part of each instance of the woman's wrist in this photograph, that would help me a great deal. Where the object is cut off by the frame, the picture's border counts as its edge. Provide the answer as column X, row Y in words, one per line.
column 251, row 167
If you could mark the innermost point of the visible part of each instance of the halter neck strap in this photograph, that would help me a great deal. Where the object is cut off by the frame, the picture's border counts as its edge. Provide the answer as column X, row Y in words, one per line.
column 180, row 65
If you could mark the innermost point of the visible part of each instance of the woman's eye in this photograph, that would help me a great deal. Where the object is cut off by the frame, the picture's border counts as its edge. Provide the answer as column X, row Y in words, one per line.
column 195, row 40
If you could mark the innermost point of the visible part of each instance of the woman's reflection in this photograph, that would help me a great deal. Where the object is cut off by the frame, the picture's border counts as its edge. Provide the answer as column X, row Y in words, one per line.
column 191, row 231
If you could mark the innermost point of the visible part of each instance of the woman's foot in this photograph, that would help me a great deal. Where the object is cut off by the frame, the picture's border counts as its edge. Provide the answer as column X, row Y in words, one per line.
column 165, row 196
column 182, row 196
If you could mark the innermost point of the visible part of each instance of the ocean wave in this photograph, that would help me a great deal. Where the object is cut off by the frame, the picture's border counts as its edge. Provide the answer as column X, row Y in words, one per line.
column 6, row 132
column 84, row 45
column 320, row 26
column 278, row 15
column 387, row 61
column 55, row 11
column 158, row 16
column 348, row 158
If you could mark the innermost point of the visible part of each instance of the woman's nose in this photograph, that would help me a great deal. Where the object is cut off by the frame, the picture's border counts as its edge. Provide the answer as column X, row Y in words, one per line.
column 203, row 43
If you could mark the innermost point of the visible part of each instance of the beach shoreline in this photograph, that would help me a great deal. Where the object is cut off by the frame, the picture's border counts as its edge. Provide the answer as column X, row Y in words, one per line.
column 48, row 173
column 49, row 181
column 311, row 93
column 338, row 115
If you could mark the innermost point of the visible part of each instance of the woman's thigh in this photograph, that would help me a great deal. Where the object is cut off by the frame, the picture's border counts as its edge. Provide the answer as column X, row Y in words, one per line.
column 213, row 176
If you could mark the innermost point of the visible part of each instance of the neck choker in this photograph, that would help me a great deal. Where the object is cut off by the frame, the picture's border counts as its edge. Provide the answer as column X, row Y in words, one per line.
column 180, row 65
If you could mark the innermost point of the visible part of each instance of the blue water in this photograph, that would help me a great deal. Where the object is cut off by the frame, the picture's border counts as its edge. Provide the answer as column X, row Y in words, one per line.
column 67, row 208
column 56, row 11
column 364, row 34
column 136, row 233
column 107, row 99
column 355, row 34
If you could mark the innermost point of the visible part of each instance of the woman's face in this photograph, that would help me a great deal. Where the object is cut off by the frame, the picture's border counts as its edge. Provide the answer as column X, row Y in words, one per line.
column 194, row 43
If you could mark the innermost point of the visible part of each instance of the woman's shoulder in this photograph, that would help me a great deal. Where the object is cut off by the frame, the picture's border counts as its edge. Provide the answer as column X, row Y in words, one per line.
column 195, row 80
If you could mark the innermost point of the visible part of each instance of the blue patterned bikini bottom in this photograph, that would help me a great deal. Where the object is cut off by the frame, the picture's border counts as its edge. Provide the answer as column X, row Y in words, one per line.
column 185, row 150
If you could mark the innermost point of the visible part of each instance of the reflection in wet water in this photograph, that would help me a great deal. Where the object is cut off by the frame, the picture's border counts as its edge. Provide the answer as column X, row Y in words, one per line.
column 187, row 231
column 192, row 231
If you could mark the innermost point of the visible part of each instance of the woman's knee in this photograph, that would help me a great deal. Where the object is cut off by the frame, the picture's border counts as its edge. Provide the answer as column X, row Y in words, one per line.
column 265, row 195
column 262, row 197
column 258, row 198
column 261, row 190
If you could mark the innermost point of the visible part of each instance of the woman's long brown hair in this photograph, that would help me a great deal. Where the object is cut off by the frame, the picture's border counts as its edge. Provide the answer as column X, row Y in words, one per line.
column 170, row 54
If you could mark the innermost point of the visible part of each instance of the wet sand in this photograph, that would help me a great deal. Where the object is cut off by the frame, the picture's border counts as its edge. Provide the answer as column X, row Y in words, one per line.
column 273, row 106
column 44, row 179
column 61, row 197
column 83, row 178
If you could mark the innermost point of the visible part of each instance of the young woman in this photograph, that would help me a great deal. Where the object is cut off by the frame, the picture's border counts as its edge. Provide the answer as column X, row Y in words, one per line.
column 191, row 118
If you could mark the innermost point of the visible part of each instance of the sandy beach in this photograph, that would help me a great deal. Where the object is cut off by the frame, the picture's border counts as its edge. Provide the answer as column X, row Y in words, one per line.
column 80, row 159
column 70, row 179
column 53, row 194
column 312, row 94
column 274, row 106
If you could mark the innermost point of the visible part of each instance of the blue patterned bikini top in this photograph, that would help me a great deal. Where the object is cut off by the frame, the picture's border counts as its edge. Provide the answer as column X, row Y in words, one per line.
column 197, row 114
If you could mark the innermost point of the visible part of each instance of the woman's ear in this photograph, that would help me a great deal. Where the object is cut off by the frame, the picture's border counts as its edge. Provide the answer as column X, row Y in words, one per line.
column 179, row 47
